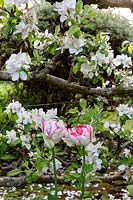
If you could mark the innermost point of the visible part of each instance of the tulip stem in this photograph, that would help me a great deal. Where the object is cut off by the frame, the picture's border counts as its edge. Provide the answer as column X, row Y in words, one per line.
column 55, row 174
column 83, row 174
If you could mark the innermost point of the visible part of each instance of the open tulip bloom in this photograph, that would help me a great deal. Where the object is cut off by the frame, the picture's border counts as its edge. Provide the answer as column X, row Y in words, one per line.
column 79, row 135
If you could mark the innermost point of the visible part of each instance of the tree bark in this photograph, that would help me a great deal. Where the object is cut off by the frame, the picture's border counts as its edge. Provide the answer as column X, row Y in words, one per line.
column 106, row 3
column 65, row 85
column 111, row 3
column 21, row 181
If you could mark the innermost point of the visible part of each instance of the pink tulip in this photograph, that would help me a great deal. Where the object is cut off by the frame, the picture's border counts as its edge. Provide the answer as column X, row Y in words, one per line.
column 53, row 130
column 78, row 135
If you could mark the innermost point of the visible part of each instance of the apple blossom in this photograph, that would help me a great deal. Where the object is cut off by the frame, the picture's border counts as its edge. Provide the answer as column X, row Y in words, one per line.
column 78, row 135
column 17, row 64
column 11, row 135
column 65, row 9
column 73, row 44
column 37, row 114
column 13, row 107
column 16, row 2
column 25, row 141
column 53, row 130
column 24, row 117
column 124, row 109
column 92, row 156
column 123, row 60
column 87, row 69
column 23, row 28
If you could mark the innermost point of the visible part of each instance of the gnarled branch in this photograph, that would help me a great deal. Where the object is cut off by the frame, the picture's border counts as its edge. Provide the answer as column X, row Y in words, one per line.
column 73, row 87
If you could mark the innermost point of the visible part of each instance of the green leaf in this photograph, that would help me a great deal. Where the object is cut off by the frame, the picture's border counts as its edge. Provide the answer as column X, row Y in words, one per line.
column 9, row 115
column 82, row 59
column 73, row 110
column 130, row 48
column 124, row 44
column 40, row 164
column 14, row 172
column 104, row 197
column 3, row 148
column 79, row 7
column 57, row 29
column 51, row 49
column 130, row 189
column 75, row 31
column 51, row 197
column 27, row 127
column 8, row 157
column 35, row 53
column 101, row 78
column 7, row 29
column 83, row 103
column 31, row 39
column 31, row 176
column 85, row 118
column 1, row 3
column 76, row 68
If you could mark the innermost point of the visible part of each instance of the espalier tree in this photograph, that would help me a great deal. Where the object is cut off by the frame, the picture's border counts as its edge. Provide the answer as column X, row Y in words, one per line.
column 74, row 65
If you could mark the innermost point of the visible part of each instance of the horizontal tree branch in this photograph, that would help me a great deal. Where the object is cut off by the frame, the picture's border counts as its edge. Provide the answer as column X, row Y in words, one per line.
column 111, row 3
column 21, row 181
column 71, row 86
column 106, row 3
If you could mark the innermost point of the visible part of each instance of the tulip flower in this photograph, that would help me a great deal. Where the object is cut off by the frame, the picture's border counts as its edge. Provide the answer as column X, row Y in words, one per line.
column 53, row 130
column 79, row 135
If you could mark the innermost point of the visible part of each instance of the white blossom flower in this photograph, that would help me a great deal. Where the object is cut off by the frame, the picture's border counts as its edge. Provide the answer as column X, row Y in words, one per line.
column 19, row 2
column 17, row 64
column 112, row 126
column 11, row 136
column 24, row 117
column 124, row 109
column 38, row 45
column 13, row 107
column 43, row 40
column 16, row 2
column 127, row 81
column 8, row 1
column 106, row 125
column 123, row 60
column 73, row 44
column 122, row 167
column 127, row 152
column 25, row 141
column 23, row 28
column 65, row 9
column 100, row 58
column 51, row 114
column 87, row 69
column 92, row 156
column 36, row 117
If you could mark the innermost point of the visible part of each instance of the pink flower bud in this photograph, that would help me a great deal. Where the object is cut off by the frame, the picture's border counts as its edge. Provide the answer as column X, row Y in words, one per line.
column 78, row 135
